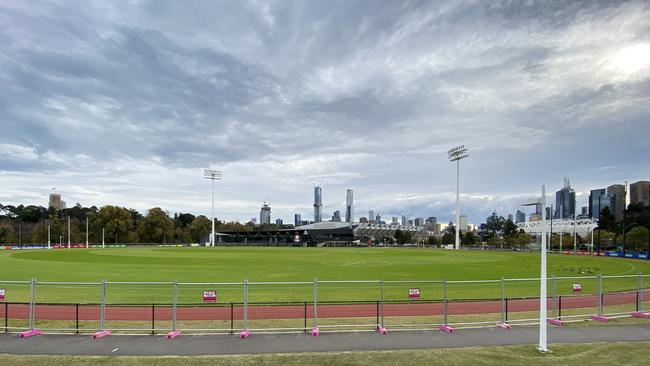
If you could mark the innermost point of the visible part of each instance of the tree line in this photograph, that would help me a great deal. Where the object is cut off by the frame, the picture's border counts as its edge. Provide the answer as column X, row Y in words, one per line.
column 114, row 224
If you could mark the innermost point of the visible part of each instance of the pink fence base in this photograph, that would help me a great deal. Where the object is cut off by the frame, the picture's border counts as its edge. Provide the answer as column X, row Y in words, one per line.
column 315, row 332
column 245, row 334
column 30, row 333
column 638, row 314
column 382, row 330
column 446, row 328
column 555, row 322
column 101, row 334
column 174, row 334
column 600, row 318
column 504, row 326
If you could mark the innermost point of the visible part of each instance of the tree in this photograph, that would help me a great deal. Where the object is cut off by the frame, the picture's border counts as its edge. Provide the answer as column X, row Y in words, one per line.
column 638, row 238
column 606, row 220
column 432, row 240
column 117, row 223
column 200, row 226
column 7, row 235
column 449, row 237
column 522, row 240
column 469, row 238
column 156, row 227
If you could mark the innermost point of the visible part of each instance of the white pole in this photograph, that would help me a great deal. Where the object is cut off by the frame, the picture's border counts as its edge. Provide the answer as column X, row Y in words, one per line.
column 575, row 239
column 68, row 232
column 212, row 236
column 457, row 246
column 86, row 232
column 542, row 286
column 103, row 243
column 49, row 243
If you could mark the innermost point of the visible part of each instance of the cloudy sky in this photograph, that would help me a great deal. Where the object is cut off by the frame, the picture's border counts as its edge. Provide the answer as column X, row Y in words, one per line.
column 126, row 102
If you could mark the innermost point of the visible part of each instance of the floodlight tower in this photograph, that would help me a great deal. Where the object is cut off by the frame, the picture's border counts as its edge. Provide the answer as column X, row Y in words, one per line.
column 456, row 154
column 542, row 347
column 212, row 175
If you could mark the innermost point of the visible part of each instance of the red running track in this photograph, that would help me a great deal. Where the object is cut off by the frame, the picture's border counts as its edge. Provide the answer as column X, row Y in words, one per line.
column 259, row 312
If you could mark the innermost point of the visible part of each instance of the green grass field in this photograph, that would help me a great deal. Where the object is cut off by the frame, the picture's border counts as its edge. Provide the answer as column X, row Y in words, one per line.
column 259, row 264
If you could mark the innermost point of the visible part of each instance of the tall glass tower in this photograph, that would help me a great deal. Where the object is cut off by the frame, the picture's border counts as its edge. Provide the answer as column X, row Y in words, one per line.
column 349, row 206
column 318, row 204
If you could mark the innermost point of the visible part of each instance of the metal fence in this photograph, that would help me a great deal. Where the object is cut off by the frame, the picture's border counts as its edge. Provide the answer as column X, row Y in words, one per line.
column 162, row 307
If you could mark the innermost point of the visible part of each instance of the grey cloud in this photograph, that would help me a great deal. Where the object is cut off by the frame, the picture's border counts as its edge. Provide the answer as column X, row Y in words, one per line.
column 377, row 90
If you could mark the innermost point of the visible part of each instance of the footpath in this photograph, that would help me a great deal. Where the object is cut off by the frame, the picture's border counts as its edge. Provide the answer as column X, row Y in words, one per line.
column 326, row 342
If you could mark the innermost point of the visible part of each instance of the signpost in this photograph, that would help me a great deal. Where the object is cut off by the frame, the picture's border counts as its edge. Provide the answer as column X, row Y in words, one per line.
column 209, row 296
column 414, row 293
column 576, row 288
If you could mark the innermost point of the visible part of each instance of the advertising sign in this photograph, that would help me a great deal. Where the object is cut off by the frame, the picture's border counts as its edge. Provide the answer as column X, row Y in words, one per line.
column 2, row 294
column 209, row 296
column 577, row 287
column 414, row 293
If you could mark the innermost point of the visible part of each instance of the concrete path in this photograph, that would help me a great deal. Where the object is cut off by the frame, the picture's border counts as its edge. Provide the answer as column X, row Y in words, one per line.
column 327, row 342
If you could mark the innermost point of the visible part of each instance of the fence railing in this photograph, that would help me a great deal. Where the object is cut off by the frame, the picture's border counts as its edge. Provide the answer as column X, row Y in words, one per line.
column 302, row 306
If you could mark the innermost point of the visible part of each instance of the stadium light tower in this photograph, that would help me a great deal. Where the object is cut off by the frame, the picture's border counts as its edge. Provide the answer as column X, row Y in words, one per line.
column 212, row 175
column 542, row 278
column 456, row 154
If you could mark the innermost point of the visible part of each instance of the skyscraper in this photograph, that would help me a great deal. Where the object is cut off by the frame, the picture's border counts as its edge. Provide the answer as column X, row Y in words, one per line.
column 371, row 216
column 616, row 193
column 279, row 222
column 297, row 220
column 431, row 223
column 565, row 201
column 462, row 224
column 520, row 216
column 419, row 221
column 349, row 206
column 404, row 220
column 337, row 216
column 56, row 202
column 640, row 192
column 265, row 214
column 318, row 204
column 598, row 199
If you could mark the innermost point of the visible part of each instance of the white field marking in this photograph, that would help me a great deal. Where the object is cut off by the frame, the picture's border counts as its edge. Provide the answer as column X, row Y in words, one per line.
column 628, row 271
column 348, row 264
column 115, row 350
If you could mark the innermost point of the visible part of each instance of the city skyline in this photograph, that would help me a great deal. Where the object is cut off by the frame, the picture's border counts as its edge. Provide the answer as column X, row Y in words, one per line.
column 126, row 105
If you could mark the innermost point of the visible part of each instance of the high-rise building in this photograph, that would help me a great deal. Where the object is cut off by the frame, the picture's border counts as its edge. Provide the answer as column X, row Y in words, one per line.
column 318, row 204
column 337, row 216
column 378, row 219
column 56, row 202
column 616, row 193
column 430, row 224
column 419, row 221
column 279, row 222
column 520, row 216
column 371, row 216
column 297, row 220
column 640, row 192
column 265, row 214
column 410, row 223
column 349, row 206
column 363, row 220
column 462, row 223
column 404, row 220
column 565, row 201
column 598, row 199
column 395, row 222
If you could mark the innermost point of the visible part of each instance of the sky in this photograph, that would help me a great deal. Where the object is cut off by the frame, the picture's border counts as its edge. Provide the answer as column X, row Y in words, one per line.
column 126, row 102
